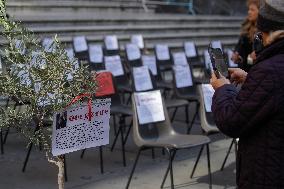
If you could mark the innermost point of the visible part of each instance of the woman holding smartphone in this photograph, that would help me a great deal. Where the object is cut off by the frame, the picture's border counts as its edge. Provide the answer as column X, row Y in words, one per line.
column 255, row 114
column 244, row 54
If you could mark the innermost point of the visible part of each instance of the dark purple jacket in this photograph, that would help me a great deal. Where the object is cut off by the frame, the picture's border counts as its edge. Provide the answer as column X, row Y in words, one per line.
column 255, row 114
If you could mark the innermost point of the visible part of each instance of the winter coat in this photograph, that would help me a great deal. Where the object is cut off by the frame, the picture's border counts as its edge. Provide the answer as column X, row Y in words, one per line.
column 255, row 115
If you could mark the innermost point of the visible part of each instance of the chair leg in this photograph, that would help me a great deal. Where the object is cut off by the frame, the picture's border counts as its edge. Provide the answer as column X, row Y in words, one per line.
column 6, row 135
column 209, row 166
column 196, row 162
column 227, row 155
column 65, row 168
column 114, row 125
column 133, row 168
column 174, row 114
column 101, row 160
column 186, row 114
column 128, row 132
column 168, row 169
column 27, row 157
column 193, row 119
column 171, row 169
column 83, row 153
column 1, row 142
column 115, row 139
column 123, row 149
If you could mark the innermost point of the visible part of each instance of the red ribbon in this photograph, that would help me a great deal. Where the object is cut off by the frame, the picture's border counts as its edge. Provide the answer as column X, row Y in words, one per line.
column 79, row 97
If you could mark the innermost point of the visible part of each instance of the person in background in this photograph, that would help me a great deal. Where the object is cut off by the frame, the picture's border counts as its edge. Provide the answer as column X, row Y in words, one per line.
column 255, row 114
column 244, row 54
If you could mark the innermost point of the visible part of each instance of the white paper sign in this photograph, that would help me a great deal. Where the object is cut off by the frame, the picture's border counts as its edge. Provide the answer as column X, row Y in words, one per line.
column 162, row 52
column 190, row 49
column 217, row 44
column 149, row 107
column 208, row 93
column 150, row 62
column 180, row 58
column 72, row 130
column 133, row 52
column 113, row 64
column 142, row 78
column 231, row 62
column 80, row 43
column 111, row 42
column 48, row 44
column 183, row 76
column 138, row 40
column 96, row 53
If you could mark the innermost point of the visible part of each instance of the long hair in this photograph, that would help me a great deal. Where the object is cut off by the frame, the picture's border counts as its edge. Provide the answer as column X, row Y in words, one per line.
column 249, row 28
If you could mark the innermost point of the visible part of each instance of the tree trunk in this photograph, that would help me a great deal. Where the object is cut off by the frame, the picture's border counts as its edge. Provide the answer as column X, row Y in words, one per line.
column 61, row 173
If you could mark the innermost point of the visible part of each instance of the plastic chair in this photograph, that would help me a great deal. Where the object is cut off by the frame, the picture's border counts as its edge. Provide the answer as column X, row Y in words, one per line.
column 162, row 135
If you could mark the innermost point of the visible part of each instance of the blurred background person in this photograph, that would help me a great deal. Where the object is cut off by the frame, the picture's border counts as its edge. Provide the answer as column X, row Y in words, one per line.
column 244, row 55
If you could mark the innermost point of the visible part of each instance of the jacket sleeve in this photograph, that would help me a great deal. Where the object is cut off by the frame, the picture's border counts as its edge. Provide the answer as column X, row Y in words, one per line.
column 238, row 114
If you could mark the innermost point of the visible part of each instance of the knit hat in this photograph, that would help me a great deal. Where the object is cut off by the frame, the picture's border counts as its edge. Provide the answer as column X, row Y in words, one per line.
column 271, row 16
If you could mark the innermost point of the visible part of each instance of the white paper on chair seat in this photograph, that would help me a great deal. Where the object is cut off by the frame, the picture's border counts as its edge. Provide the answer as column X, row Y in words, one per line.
column 208, row 93
column 80, row 43
column 180, row 58
column 133, row 52
column 138, row 40
column 183, row 76
column 162, row 52
column 72, row 130
column 113, row 64
column 48, row 44
column 111, row 42
column 231, row 62
column 190, row 49
column 96, row 53
column 142, row 78
column 150, row 62
column 217, row 44
column 149, row 107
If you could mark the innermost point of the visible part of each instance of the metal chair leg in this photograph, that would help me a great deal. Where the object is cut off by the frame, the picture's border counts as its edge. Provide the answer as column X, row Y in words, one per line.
column 193, row 119
column 27, row 157
column 6, row 135
column 1, row 142
column 123, row 149
column 101, row 160
column 186, row 114
column 236, row 148
column 65, row 168
column 174, row 114
column 133, row 168
column 114, row 125
column 227, row 155
column 115, row 139
column 171, row 169
column 128, row 132
column 167, row 171
column 209, row 166
column 196, row 162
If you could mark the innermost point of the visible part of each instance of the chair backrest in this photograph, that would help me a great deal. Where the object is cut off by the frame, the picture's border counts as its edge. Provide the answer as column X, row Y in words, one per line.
column 183, row 81
column 111, row 45
column 142, row 134
column 138, row 40
column 150, row 62
column 133, row 55
column 96, row 57
column 179, row 58
column 81, row 48
column 162, row 52
column 206, row 117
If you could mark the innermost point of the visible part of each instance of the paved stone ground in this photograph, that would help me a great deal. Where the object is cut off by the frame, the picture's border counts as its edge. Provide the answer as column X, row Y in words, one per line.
column 85, row 173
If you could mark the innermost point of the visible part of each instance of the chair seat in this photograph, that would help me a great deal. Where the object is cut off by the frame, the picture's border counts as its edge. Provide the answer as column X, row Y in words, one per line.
column 189, row 97
column 174, row 103
column 179, row 141
column 121, row 109
column 124, row 88
column 164, row 85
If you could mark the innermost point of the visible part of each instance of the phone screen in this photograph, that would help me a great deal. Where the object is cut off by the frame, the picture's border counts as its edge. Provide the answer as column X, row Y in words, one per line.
column 218, row 61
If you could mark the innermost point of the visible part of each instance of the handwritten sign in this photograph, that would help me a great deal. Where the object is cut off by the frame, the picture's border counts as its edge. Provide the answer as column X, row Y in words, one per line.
column 180, row 58
column 80, row 43
column 137, row 40
column 232, row 64
column 149, row 107
column 183, row 76
column 150, row 62
column 72, row 130
column 96, row 53
column 111, row 42
column 162, row 52
column 133, row 52
column 208, row 93
column 142, row 78
column 105, row 84
column 217, row 44
column 114, row 65
column 190, row 49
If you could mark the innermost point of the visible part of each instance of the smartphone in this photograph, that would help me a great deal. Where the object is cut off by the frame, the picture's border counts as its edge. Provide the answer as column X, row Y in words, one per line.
column 219, row 62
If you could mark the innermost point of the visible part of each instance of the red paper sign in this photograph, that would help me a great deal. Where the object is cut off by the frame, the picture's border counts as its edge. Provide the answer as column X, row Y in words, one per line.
column 105, row 84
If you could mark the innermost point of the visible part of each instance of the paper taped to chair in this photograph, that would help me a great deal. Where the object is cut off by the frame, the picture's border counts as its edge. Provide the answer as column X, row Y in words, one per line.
column 150, row 62
column 73, row 131
column 208, row 93
column 96, row 53
column 138, row 40
column 133, row 52
column 142, row 78
column 111, row 42
column 180, row 58
column 183, row 76
column 80, row 43
column 162, row 52
column 149, row 107
column 190, row 49
column 114, row 65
